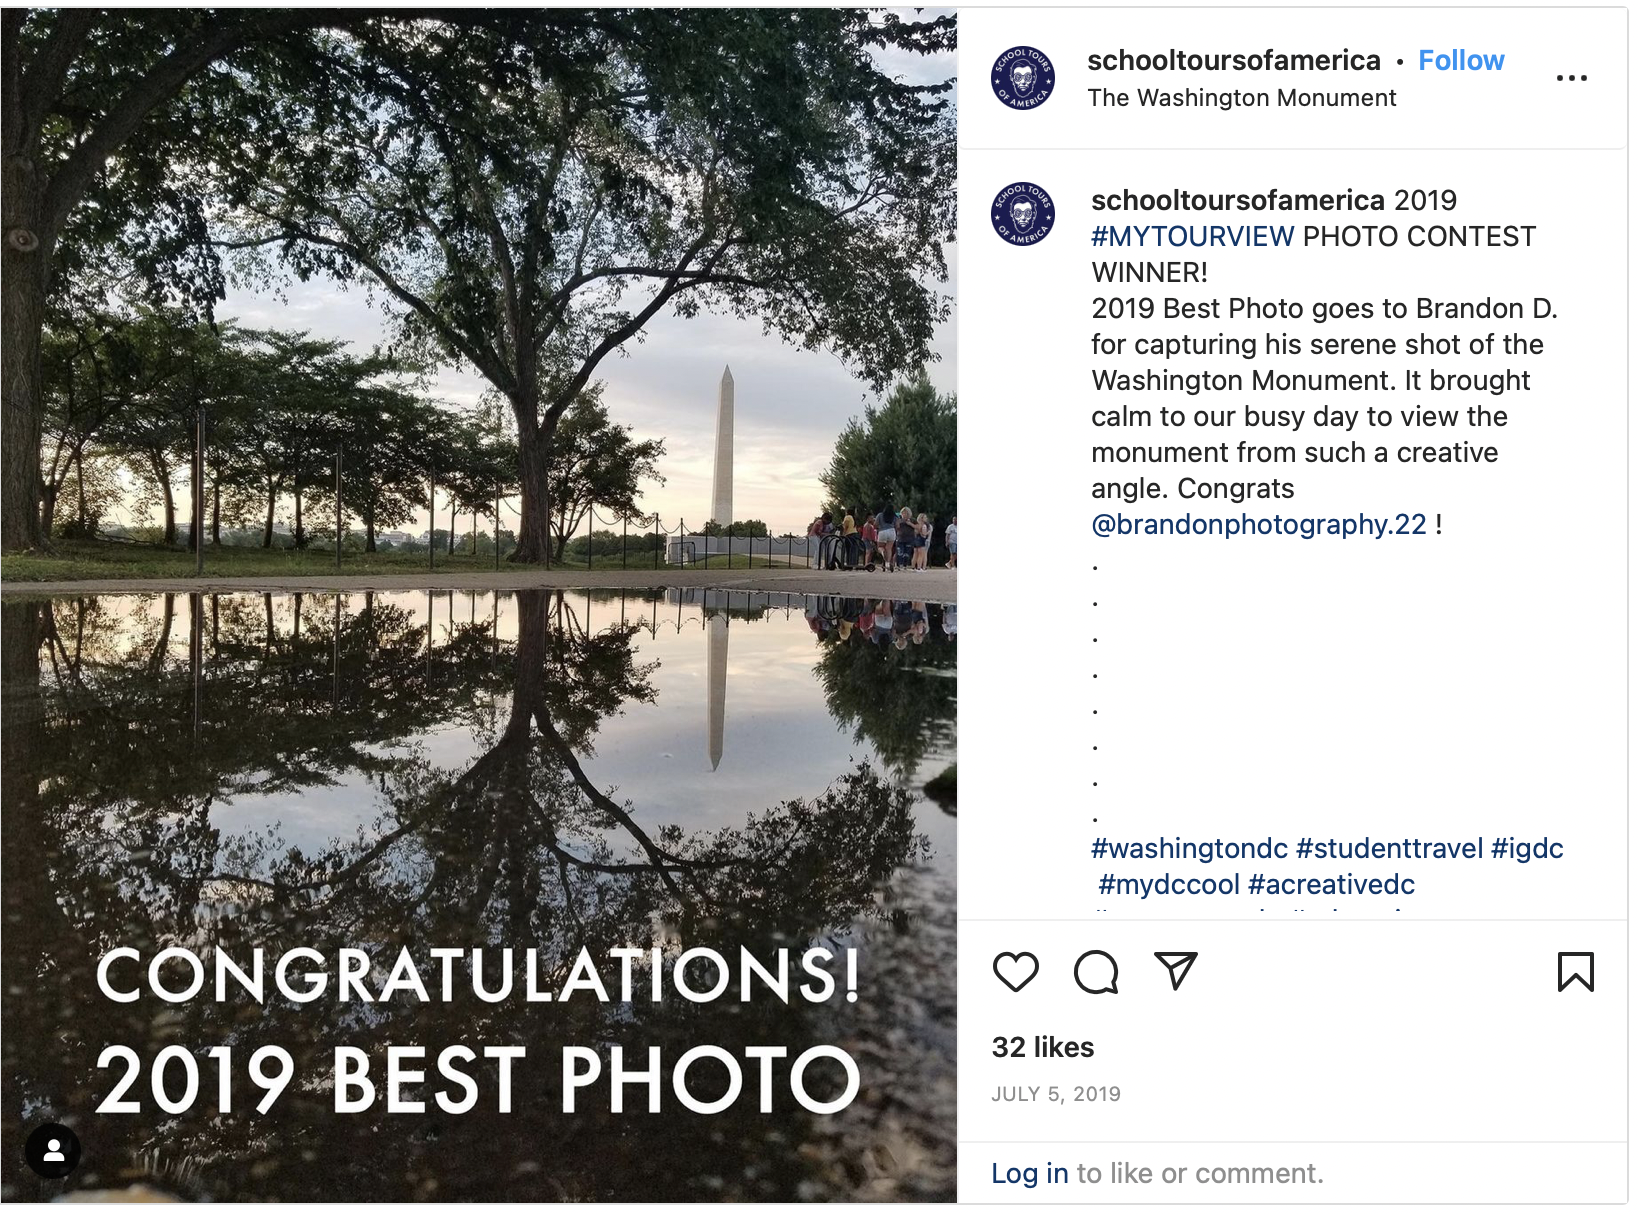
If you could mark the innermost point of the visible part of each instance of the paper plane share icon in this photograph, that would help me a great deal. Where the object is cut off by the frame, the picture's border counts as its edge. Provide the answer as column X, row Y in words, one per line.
column 1177, row 965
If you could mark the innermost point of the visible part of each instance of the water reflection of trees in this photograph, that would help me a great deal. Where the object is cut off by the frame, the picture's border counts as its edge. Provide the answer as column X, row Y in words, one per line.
column 117, row 749
column 894, row 685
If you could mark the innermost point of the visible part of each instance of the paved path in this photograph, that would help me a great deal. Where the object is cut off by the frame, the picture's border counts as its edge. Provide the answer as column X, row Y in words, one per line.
column 938, row 585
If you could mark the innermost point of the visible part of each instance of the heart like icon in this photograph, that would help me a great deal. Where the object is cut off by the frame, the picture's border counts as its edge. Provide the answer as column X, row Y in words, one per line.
column 1016, row 970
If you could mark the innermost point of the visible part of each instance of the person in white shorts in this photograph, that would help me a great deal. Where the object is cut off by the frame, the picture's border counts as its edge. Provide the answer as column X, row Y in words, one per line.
column 887, row 535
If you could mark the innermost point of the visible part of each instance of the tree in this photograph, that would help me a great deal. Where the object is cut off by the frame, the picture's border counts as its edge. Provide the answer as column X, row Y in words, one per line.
column 285, row 439
column 305, row 400
column 78, row 88
column 902, row 701
column 385, row 432
column 476, row 465
column 532, row 192
column 596, row 464
column 172, row 369
column 318, row 399
column 86, row 373
column 740, row 529
column 902, row 453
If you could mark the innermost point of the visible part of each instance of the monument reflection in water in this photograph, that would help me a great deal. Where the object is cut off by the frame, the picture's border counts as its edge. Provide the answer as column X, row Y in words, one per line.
column 533, row 770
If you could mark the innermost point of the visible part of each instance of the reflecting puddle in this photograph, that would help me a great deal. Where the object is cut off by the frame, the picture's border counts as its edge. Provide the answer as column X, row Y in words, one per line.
column 542, row 770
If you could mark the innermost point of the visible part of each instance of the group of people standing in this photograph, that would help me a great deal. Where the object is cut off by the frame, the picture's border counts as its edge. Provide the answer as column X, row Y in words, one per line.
column 898, row 623
column 883, row 540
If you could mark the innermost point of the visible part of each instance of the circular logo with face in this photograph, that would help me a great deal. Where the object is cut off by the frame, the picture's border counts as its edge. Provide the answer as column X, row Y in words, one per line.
column 1022, row 78
column 1023, row 213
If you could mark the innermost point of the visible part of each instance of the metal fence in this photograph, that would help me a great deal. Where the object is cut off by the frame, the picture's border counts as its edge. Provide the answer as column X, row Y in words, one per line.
column 723, row 548
column 643, row 541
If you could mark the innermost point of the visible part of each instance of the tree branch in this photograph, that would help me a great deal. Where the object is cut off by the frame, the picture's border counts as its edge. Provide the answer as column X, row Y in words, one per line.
column 41, row 85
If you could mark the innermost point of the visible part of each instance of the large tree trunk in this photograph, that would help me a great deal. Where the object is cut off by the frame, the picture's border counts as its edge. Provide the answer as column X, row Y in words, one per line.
column 48, row 508
column 534, row 545
column 369, row 527
column 23, row 278
column 162, row 647
column 216, row 509
column 301, row 538
column 162, row 473
column 267, row 529
column 79, row 489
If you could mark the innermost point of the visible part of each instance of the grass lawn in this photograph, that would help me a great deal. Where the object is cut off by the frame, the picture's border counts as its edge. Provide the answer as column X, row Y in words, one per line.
column 741, row 561
column 89, row 560
column 645, row 560
column 80, row 560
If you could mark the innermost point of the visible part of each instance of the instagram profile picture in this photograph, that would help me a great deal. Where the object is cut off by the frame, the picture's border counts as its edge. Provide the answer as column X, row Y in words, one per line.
column 52, row 1151
column 1022, row 78
column 1023, row 214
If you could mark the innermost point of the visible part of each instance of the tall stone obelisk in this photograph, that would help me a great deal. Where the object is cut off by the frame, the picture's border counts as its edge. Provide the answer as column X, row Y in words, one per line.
column 722, row 479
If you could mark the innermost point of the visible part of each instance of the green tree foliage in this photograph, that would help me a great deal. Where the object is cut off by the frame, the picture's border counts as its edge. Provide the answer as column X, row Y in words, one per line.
column 901, row 453
column 172, row 369
column 301, row 401
column 529, row 188
column 753, row 527
column 596, row 464
column 384, row 437
column 279, row 407
column 94, row 365
column 530, row 192
column 479, row 467
column 84, row 89
column 899, row 695
column 284, row 441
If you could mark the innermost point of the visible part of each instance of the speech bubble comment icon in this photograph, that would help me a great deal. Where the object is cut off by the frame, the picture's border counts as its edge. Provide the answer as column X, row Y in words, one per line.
column 1095, row 972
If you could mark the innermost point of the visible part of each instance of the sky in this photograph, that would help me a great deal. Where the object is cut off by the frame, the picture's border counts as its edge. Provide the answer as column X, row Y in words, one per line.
column 789, row 404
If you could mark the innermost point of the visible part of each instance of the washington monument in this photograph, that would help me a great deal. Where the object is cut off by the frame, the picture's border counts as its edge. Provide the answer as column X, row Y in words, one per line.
column 722, row 511
column 722, row 478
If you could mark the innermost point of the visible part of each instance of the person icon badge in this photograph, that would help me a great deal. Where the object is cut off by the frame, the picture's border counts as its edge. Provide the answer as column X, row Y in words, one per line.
column 52, row 1151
